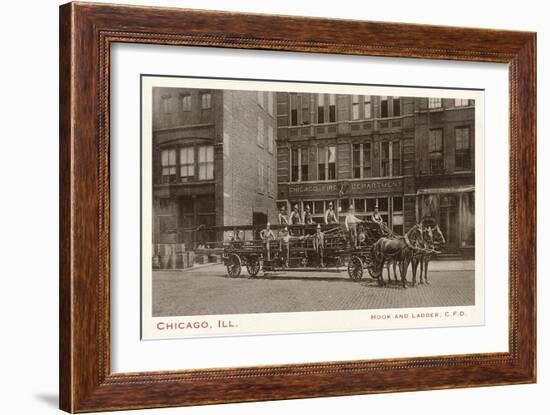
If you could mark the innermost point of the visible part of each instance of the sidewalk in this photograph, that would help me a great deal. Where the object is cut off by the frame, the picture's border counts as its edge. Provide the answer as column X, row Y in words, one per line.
column 452, row 265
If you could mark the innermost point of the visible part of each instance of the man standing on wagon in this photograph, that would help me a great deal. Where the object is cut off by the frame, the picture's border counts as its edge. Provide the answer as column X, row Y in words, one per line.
column 283, row 219
column 351, row 225
column 295, row 218
column 267, row 235
column 307, row 218
column 319, row 244
column 330, row 215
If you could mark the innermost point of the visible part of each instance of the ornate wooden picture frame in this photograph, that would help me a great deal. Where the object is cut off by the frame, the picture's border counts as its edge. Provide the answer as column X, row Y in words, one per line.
column 87, row 32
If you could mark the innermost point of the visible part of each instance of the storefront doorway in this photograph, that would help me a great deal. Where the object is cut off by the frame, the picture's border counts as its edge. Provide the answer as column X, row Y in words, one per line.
column 448, row 221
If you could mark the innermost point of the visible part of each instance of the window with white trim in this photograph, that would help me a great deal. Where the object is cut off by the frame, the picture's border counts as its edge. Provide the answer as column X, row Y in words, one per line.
column 462, row 149
column 206, row 100
column 355, row 107
column 332, row 108
column 185, row 100
column 435, row 150
column 206, row 162
column 187, row 163
column 367, row 107
column 166, row 104
column 168, row 165
column 434, row 102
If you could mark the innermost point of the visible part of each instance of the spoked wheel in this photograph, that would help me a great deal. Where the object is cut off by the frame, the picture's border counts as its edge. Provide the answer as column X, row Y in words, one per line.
column 233, row 266
column 355, row 268
column 253, row 267
column 374, row 269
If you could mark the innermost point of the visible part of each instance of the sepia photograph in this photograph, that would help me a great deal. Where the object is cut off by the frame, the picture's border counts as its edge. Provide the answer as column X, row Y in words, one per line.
column 284, row 207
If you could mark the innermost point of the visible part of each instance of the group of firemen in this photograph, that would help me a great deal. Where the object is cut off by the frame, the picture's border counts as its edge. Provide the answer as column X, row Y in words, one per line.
column 295, row 218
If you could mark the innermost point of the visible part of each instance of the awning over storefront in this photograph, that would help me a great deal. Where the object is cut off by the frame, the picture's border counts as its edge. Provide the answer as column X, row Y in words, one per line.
column 443, row 190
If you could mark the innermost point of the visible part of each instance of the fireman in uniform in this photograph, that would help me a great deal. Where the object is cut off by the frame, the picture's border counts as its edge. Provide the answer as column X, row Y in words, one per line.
column 267, row 235
column 307, row 218
column 284, row 241
column 330, row 215
column 351, row 225
column 295, row 218
column 319, row 244
column 283, row 219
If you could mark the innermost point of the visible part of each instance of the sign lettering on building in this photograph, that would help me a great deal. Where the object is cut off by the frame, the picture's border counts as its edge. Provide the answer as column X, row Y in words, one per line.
column 348, row 187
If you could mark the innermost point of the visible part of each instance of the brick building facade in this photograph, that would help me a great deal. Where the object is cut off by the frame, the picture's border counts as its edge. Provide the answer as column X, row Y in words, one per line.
column 410, row 157
column 214, row 161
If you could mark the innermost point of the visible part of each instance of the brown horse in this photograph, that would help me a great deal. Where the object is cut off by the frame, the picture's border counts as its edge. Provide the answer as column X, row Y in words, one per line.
column 433, row 239
column 387, row 250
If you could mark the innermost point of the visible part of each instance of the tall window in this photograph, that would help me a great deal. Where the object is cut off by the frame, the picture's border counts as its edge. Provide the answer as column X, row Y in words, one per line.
column 270, row 139
column 385, row 159
column 322, row 163
column 300, row 165
column 361, row 160
column 260, row 133
column 356, row 160
column 326, row 166
column 384, row 113
column 293, row 109
column 304, row 104
column 185, row 102
column 462, row 149
column 367, row 160
column 320, row 108
column 396, row 158
column 168, row 165
column 368, row 107
column 304, row 165
column 355, row 107
column 331, row 161
column 295, row 160
column 435, row 149
column 434, row 102
column 206, row 100
column 166, row 104
column 396, row 103
column 187, row 163
column 206, row 162
column 459, row 102
column 332, row 108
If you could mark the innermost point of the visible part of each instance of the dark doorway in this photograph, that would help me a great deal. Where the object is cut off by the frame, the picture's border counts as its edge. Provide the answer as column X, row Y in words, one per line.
column 259, row 219
column 448, row 221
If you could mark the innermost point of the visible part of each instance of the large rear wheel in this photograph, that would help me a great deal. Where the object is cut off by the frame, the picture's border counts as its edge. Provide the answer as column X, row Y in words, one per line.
column 355, row 268
column 253, row 266
column 233, row 265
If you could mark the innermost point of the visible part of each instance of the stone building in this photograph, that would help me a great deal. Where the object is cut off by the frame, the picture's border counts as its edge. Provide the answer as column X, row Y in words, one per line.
column 409, row 157
column 214, row 161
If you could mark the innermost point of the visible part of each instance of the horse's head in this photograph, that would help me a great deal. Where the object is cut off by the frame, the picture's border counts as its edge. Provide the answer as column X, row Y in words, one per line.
column 428, row 236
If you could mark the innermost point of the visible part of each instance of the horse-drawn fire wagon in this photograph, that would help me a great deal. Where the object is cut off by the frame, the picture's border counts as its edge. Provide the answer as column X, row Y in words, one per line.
column 298, row 248
column 318, row 247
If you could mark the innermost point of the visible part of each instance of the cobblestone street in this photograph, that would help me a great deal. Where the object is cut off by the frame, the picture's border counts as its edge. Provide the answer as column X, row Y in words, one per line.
column 208, row 290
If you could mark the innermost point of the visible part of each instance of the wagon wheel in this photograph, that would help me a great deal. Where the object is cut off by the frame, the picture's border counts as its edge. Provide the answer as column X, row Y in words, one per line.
column 233, row 266
column 374, row 270
column 253, row 266
column 355, row 268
